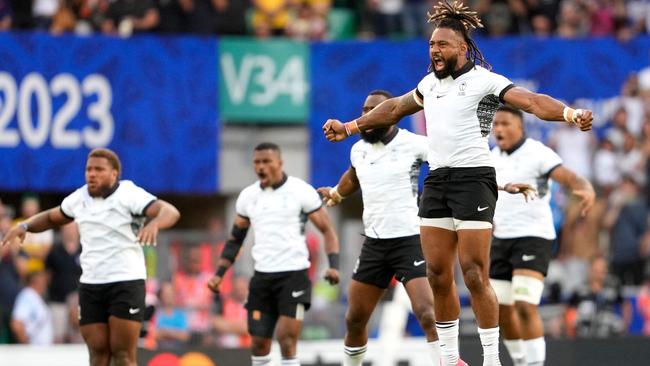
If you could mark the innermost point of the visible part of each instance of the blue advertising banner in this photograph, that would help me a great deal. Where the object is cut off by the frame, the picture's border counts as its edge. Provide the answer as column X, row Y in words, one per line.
column 151, row 99
column 343, row 73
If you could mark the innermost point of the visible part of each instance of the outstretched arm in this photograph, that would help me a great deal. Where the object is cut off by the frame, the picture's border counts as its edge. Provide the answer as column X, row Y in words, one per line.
column 547, row 108
column 578, row 185
column 348, row 184
column 40, row 222
column 322, row 221
column 387, row 113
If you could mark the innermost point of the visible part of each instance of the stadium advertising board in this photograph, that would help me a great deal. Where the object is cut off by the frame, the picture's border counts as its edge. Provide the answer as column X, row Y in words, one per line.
column 151, row 99
column 263, row 81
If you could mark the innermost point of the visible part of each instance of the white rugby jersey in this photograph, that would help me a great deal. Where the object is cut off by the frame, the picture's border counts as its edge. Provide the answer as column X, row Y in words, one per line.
column 529, row 162
column 108, row 230
column 459, row 111
column 388, row 174
column 278, row 216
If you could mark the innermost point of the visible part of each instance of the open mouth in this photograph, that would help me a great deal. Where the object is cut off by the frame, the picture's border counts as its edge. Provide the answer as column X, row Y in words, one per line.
column 438, row 63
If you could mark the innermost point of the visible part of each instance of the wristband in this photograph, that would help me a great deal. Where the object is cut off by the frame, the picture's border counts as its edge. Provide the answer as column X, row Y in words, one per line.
column 333, row 258
column 351, row 128
column 221, row 271
column 335, row 195
column 571, row 115
column 25, row 226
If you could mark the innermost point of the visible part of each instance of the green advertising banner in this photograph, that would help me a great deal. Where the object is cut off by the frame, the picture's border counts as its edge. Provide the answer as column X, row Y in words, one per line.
column 263, row 81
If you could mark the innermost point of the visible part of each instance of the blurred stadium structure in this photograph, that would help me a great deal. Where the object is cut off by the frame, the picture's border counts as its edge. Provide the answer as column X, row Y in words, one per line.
column 184, row 112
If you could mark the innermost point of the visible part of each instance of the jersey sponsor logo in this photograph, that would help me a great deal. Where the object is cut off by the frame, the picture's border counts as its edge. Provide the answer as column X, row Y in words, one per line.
column 527, row 258
column 418, row 263
column 295, row 294
column 479, row 208
column 134, row 310
column 440, row 96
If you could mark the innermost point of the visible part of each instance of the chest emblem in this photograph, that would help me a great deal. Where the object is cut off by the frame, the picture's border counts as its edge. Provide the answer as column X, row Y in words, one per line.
column 461, row 88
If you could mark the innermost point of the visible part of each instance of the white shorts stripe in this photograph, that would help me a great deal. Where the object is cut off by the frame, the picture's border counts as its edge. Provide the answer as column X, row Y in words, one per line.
column 446, row 223
column 471, row 225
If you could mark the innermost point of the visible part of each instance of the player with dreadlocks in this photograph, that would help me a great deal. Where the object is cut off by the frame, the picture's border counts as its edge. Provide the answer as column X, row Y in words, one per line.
column 459, row 96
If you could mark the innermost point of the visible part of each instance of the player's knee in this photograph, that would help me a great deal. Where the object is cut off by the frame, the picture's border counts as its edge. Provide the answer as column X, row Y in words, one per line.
column 99, row 357
column 439, row 276
column 354, row 321
column 287, row 344
column 525, row 310
column 475, row 278
column 123, row 358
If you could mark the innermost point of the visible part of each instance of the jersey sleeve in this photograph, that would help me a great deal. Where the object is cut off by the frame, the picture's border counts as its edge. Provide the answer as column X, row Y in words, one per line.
column 241, row 207
column 419, row 91
column 139, row 200
column 309, row 199
column 498, row 85
column 549, row 160
column 69, row 203
column 22, row 308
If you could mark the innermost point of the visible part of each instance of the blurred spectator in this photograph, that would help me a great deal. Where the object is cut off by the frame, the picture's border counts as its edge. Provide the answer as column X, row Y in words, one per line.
column 270, row 17
column 387, row 16
column 307, row 24
column 626, row 216
column 43, row 11
column 606, row 172
column 643, row 300
column 631, row 161
column 5, row 15
column 201, row 15
column 231, row 17
column 172, row 17
column 35, row 245
column 574, row 147
column 602, row 21
column 414, row 18
column 79, row 16
column 572, row 21
column 598, row 308
column 31, row 320
column 232, row 324
column 541, row 25
column 171, row 324
column 12, row 266
column 125, row 17
column 65, row 270
column 193, row 294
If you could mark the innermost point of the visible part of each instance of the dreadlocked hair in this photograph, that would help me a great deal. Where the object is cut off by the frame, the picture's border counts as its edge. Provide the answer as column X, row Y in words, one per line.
column 458, row 17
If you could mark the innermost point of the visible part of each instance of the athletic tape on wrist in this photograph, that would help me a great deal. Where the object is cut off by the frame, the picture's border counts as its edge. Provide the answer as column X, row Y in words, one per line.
column 351, row 128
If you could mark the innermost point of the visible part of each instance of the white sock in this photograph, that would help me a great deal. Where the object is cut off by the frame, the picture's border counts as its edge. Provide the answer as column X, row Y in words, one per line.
column 490, row 342
column 434, row 352
column 290, row 362
column 535, row 351
column 354, row 355
column 448, row 340
column 261, row 360
column 516, row 350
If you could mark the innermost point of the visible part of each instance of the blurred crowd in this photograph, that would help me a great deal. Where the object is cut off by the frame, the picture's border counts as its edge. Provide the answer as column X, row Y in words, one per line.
column 323, row 19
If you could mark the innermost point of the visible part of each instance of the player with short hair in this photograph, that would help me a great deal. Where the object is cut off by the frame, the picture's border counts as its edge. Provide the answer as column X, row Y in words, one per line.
column 459, row 99
column 277, row 206
column 524, row 233
column 385, row 165
column 111, row 215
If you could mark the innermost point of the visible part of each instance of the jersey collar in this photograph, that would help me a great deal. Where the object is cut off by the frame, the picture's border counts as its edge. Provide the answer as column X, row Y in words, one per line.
column 278, row 184
column 516, row 146
column 390, row 136
column 463, row 70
